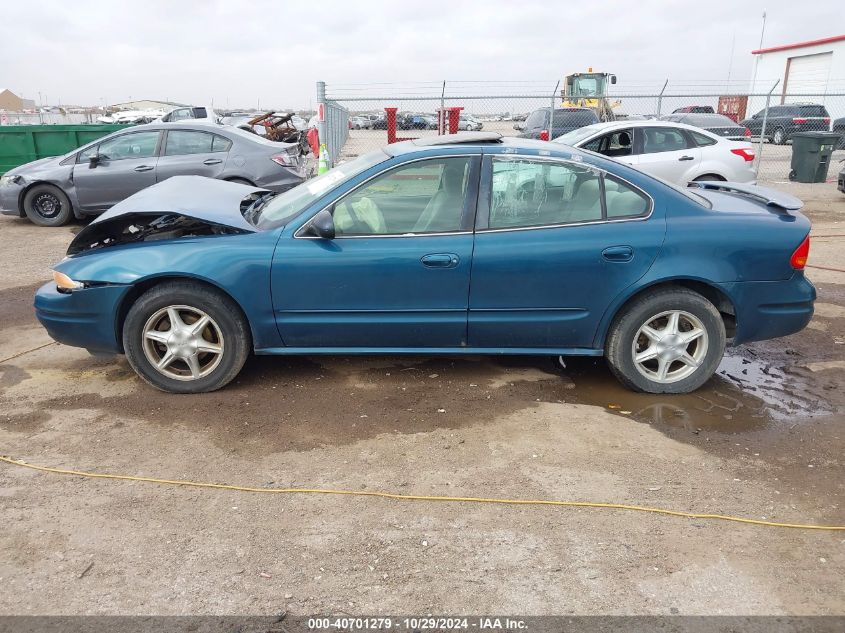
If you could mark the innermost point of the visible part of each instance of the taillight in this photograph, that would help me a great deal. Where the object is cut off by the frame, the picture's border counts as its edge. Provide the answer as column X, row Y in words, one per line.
column 747, row 133
column 285, row 160
column 544, row 135
column 799, row 257
column 799, row 119
column 826, row 120
column 747, row 154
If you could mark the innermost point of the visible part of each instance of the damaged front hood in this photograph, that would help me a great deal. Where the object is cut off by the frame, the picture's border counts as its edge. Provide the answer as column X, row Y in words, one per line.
column 208, row 199
column 182, row 206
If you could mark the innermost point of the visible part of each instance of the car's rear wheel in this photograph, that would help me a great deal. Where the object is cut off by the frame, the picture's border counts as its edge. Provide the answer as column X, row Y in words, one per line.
column 667, row 341
column 708, row 178
column 779, row 137
column 47, row 205
column 184, row 337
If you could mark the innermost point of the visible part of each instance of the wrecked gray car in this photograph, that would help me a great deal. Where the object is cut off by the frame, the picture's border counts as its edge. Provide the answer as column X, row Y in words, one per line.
column 95, row 177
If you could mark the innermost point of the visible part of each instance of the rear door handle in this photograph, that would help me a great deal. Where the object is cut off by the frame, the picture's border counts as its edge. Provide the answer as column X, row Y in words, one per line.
column 618, row 253
column 144, row 168
column 212, row 161
column 687, row 158
column 440, row 260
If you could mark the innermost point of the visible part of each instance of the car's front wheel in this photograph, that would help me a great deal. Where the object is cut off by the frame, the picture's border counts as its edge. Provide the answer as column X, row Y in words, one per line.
column 47, row 205
column 666, row 341
column 184, row 337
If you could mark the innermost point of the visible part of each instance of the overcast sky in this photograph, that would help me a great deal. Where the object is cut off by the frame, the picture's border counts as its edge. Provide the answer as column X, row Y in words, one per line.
column 273, row 52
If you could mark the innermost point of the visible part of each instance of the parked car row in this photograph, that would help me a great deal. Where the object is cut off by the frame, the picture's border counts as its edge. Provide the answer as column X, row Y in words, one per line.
column 411, row 121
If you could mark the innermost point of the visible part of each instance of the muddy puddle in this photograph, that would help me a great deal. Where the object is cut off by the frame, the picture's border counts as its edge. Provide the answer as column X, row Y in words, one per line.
column 745, row 395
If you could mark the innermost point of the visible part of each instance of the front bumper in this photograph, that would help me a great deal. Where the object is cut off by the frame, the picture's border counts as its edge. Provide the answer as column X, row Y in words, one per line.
column 770, row 309
column 10, row 196
column 82, row 318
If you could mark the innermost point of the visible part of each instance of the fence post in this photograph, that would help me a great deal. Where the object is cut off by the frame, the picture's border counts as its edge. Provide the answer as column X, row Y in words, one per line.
column 552, row 112
column 322, row 122
column 660, row 97
column 763, row 132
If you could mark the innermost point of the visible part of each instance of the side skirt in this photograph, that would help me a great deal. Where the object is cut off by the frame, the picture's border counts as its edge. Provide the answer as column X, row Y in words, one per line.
column 432, row 351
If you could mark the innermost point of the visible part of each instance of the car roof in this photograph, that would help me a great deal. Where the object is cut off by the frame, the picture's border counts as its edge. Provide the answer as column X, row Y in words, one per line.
column 476, row 140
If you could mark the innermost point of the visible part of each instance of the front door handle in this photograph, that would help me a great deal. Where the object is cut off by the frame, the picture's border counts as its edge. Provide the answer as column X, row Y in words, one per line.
column 144, row 168
column 618, row 253
column 687, row 158
column 212, row 161
column 440, row 260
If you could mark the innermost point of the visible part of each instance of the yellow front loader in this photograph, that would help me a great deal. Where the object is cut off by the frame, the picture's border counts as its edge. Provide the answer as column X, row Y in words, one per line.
column 589, row 90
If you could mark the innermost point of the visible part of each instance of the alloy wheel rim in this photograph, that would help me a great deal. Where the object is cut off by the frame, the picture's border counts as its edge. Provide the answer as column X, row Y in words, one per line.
column 47, row 205
column 670, row 346
column 183, row 342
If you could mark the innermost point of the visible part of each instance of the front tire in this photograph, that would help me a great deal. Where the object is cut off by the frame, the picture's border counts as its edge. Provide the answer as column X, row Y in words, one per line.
column 666, row 341
column 183, row 337
column 47, row 205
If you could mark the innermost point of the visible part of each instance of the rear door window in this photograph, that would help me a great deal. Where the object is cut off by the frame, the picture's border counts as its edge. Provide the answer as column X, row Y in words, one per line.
column 529, row 193
column 663, row 139
column 181, row 142
column 617, row 143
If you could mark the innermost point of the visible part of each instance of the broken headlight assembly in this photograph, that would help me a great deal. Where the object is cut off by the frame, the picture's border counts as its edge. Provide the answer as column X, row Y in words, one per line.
column 66, row 284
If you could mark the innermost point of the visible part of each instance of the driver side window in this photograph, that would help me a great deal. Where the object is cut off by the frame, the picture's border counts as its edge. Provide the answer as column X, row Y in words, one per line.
column 133, row 145
column 427, row 196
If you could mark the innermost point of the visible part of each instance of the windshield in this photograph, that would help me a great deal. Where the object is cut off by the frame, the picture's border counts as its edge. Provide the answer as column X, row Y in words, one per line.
column 285, row 206
column 584, row 87
column 573, row 137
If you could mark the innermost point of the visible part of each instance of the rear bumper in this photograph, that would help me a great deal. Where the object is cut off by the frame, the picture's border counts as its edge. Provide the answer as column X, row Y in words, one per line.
column 770, row 309
column 82, row 318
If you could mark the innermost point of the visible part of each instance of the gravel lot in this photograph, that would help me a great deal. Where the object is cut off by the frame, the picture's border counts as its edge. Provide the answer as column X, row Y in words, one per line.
column 763, row 439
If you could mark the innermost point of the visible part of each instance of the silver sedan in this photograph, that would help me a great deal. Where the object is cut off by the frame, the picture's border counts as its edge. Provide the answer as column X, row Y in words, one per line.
column 97, row 176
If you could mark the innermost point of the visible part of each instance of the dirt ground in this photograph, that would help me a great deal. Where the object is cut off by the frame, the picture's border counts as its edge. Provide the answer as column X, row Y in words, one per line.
column 763, row 439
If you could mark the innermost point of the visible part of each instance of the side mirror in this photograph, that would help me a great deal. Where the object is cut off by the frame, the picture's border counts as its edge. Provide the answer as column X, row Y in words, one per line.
column 322, row 225
column 93, row 161
column 613, row 79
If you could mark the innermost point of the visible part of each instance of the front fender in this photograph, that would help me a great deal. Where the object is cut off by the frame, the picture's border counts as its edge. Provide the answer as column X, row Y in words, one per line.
column 238, row 265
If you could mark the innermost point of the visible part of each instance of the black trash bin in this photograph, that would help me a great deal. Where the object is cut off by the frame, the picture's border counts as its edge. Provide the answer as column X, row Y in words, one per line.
column 811, row 153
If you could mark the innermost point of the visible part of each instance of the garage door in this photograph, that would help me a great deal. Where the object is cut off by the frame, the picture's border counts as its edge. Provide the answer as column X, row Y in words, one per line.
column 808, row 74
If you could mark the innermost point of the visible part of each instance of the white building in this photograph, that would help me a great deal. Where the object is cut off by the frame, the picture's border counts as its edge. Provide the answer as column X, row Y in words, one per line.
column 812, row 71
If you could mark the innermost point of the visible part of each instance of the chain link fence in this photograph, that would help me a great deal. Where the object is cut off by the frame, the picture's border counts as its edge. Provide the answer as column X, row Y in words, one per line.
column 507, row 107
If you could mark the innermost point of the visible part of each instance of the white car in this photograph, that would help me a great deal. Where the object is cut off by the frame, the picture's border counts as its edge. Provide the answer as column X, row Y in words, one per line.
column 191, row 113
column 469, row 123
column 675, row 152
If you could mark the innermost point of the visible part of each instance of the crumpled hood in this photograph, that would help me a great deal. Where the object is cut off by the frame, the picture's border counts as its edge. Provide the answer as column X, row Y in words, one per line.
column 207, row 199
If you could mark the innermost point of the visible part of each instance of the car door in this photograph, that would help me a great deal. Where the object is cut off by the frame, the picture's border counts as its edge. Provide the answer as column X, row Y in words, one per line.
column 396, row 275
column 124, row 165
column 552, row 252
column 666, row 152
column 192, row 153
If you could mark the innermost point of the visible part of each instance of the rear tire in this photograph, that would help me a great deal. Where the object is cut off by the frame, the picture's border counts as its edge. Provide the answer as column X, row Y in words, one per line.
column 47, row 205
column 779, row 137
column 172, row 356
column 647, row 353
column 708, row 177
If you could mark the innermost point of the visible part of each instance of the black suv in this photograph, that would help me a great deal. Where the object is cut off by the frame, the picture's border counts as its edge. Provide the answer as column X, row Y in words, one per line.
column 787, row 119
column 565, row 120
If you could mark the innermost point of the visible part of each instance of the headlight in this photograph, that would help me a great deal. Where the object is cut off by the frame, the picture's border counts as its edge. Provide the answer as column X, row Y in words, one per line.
column 63, row 282
column 6, row 181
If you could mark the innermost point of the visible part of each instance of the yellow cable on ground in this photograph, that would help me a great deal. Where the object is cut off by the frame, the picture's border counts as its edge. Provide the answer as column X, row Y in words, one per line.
column 406, row 497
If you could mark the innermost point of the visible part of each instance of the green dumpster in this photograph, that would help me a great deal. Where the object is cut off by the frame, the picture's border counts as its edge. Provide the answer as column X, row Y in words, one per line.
column 21, row 144
column 811, row 153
